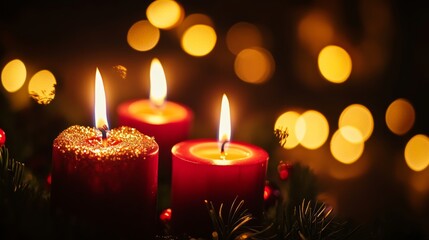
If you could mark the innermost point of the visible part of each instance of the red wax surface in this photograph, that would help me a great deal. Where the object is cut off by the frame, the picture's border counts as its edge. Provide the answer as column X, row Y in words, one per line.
column 110, row 184
column 200, row 175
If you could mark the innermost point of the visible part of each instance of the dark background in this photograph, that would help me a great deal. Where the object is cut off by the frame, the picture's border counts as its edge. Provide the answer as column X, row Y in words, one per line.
column 72, row 38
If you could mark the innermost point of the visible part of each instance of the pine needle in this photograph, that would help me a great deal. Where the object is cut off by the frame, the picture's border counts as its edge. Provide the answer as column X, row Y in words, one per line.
column 237, row 222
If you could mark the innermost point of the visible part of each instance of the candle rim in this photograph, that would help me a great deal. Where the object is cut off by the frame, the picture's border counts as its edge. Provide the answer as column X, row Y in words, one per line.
column 124, row 109
column 182, row 150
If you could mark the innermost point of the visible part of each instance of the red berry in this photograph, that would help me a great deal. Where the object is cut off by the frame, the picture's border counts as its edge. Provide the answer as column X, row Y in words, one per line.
column 283, row 169
column 267, row 192
column 165, row 215
column 2, row 137
column 49, row 179
column 284, row 174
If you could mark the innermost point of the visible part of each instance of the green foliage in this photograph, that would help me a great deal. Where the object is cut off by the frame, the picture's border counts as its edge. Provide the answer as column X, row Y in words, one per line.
column 24, row 205
column 11, row 173
column 310, row 220
column 235, row 225
column 281, row 135
column 295, row 215
column 302, row 184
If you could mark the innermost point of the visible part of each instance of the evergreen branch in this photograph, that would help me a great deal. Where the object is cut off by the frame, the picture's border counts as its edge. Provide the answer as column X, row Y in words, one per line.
column 24, row 205
column 311, row 221
column 12, row 172
column 236, row 224
column 282, row 135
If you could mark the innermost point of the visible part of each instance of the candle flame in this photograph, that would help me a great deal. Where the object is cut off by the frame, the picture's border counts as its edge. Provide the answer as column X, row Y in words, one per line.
column 158, row 84
column 100, row 103
column 225, row 123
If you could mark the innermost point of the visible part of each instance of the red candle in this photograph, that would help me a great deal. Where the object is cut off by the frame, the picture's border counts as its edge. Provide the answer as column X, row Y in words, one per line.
column 107, row 179
column 167, row 121
column 217, row 171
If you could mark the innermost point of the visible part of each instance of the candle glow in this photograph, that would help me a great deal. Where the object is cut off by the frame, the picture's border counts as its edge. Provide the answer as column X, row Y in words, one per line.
column 100, row 103
column 158, row 84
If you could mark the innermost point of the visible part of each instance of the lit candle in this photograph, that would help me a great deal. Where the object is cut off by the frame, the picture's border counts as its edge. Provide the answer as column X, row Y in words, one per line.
column 217, row 171
column 106, row 178
column 167, row 121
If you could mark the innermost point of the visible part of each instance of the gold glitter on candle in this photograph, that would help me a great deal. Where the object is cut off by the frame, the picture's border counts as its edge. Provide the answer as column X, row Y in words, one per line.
column 123, row 143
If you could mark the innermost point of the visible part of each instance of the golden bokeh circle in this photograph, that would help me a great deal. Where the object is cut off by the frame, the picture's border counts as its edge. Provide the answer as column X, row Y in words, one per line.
column 335, row 64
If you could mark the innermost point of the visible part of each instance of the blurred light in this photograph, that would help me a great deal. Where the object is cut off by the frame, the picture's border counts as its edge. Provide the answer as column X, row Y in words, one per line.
column 419, row 181
column 315, row 30
column 42, row 87
column 194, row 19
column 400, row 116
column 165, row 215
column 335, row 64
column 345, row 151
column 243, row 35
column 312, row 129
column 288, row 121
column 199, row 40
column 267, row 192
column 417, row 152
column 143, row 36
column 49, row 179
column 254, row 65
column 359, row 117
column 165, row 14
column 342, row 171
column 19, row 100
column 351, row 134
column 13, row 75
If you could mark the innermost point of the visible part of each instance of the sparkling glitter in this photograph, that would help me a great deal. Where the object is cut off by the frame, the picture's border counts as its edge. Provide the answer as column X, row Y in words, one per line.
column 123, row 143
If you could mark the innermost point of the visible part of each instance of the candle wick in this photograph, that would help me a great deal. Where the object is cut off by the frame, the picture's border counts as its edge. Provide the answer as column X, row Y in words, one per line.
column 157, row 107
column 222, row 148
column 103, row 134
column 103, row 131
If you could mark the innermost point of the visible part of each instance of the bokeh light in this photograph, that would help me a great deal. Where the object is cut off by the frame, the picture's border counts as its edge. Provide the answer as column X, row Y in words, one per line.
column 194, row 19
column 267, row 192
column 335, row 64
column 165, row 14
column 359, row 117
column 254, row 65
column 312, row 129
column 199, row 40
column 417, row 152
column 315, row 30
column 143, row 36
column 345, row 151
column 352, row 134
column 288, row 121
column 419, row 181
column 42, row 87
column 243, row 35
column 13, row 75
column 343, row 171
column 400, row 116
